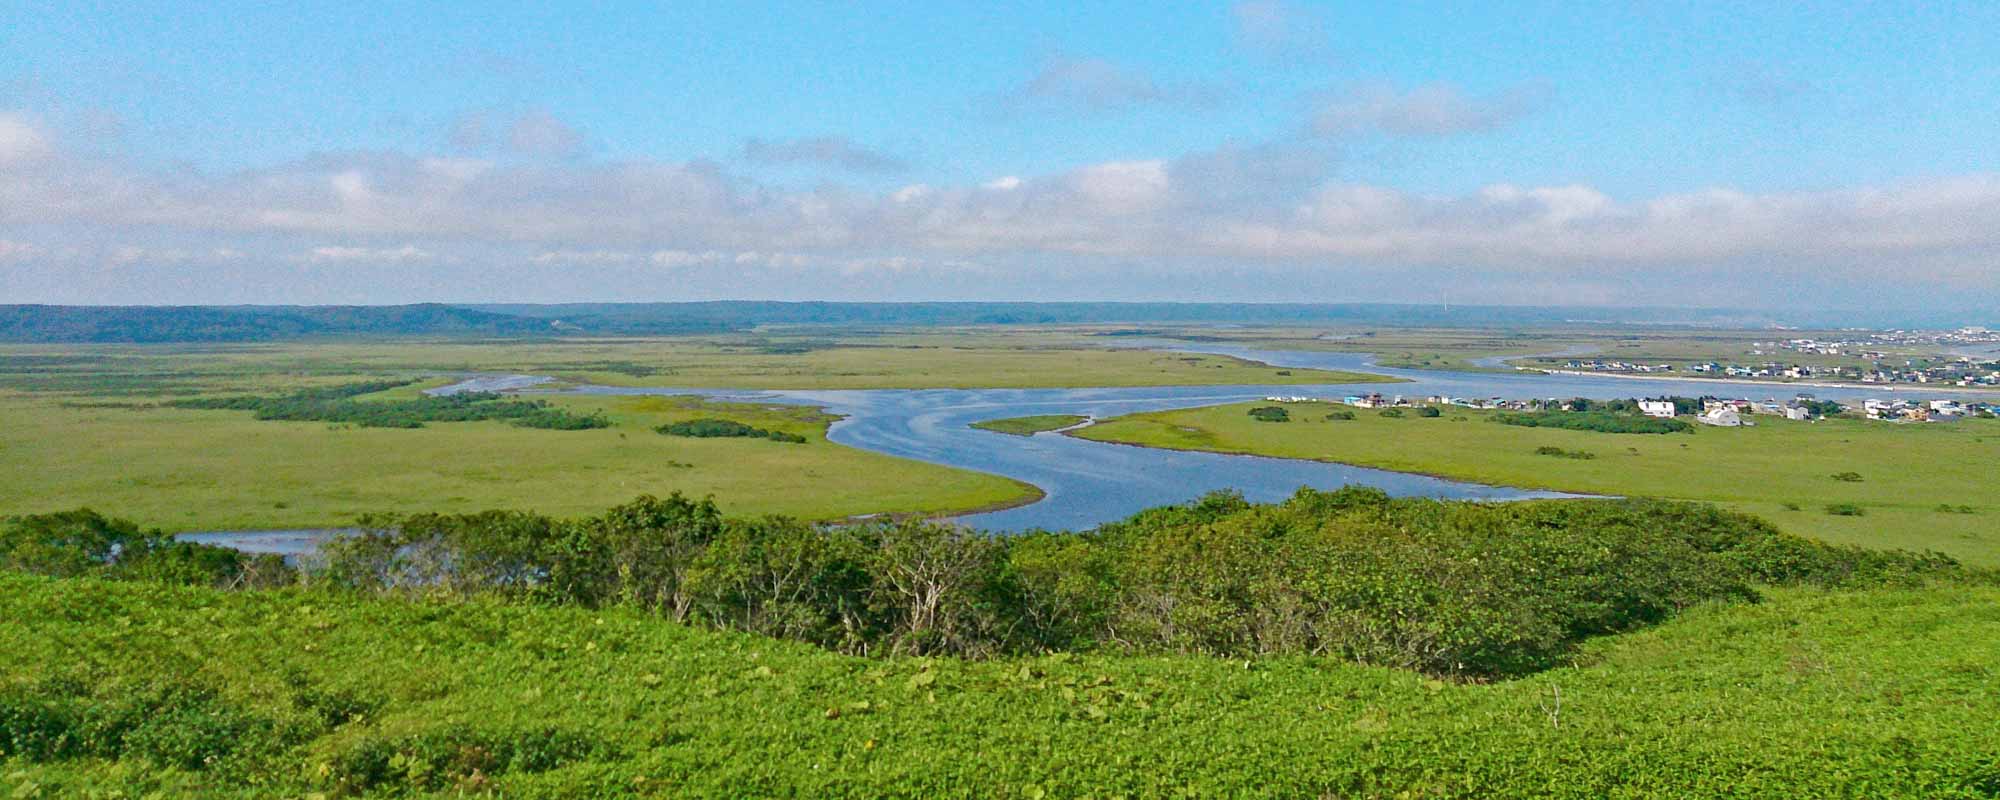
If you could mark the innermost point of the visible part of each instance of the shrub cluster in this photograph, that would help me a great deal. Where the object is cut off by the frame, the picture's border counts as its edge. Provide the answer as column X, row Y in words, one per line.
column 82, row 542
column 1270, row 414
column 338, row 404
column 709, row 428
column 1600, row 421
column 1447, row 588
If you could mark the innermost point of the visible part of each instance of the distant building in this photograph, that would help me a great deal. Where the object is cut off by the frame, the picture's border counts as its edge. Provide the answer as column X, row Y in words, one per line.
column 1663, row 409
column 1722, row 417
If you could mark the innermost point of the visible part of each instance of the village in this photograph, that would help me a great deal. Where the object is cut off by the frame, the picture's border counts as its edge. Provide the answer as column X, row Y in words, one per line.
column 1712, row 411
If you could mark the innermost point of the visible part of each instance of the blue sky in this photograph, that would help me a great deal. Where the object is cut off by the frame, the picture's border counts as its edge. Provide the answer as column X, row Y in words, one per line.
column 1266, row 150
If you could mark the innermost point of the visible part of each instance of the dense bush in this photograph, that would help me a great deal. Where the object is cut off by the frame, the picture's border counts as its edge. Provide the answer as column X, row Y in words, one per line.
column 1548, row 450
column 1600, row 421
column 337, row 404
column 1339, row 416
column 722, row 428
column 83, row 542
column 1270, row 414
column 1429, row 412
column 1448, row 588
column 1846, row 510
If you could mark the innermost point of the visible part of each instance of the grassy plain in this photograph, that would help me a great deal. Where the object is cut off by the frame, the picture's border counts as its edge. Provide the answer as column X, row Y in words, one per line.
column 203, row 470
column 1877, row 693
column 82, row 425
column 1779, row 470
column 957, row 358
column 1029, row 426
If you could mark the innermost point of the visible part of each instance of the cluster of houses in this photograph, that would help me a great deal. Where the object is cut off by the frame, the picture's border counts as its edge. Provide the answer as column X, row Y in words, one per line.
column 1597, row 365
column 1924, row 411
column 1960, row 371
column 1718, row 412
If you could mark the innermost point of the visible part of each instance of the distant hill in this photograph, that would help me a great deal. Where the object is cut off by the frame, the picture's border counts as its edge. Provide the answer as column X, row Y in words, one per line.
column 148, row 324
column 140, row 324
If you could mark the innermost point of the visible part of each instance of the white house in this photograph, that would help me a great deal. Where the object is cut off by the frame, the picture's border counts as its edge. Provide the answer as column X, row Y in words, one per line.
column 1798, row 413
column 1722, row 417
column 1657, row 408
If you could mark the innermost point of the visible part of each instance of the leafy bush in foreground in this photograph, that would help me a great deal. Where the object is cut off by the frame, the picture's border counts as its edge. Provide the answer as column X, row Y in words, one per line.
column 83, row 542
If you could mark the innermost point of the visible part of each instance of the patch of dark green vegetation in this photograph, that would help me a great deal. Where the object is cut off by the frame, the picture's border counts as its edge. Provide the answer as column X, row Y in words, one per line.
column 1550, row 450
column 1391, row 413
column 1846, row 510
column 339, row 404
column 712, row 428
column 1947, row 508
column 1270, row 414
column 1339, row 416
column 1599, row 421
column 1454, row 589
column 1847, row 477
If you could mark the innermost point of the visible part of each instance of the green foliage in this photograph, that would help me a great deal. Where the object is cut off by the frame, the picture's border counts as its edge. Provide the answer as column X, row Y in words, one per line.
column 1847, row 477
column 1391, row 412
column 83, row 542
column 1947, row 508
column 1340, row 416
column 1270, row 414
column 710, row 428
column 1846, row 510
column 337, row 405
column 1452, row 589
column 1548, row 450
column 1429, row 412
column 1600, row 421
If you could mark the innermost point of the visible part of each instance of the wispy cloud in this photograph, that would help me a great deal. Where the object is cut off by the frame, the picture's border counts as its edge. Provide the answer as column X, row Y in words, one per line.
column 1433, row 109
column 532, row 134
column 1280, row 29
column 1094, row 85
column 833, row 151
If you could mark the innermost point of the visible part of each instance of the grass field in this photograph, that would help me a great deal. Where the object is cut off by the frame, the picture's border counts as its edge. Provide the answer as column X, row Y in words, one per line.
column 1779, row 470
column 1029, row 426
column 205, row 470
column 1877, row 693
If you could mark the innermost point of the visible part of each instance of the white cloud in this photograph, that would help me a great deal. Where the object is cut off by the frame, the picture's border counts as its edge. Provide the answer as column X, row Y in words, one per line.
column 533, row 134
column 1433, row 109
column 21, row 140
column 1269, row 205
column 407, row 254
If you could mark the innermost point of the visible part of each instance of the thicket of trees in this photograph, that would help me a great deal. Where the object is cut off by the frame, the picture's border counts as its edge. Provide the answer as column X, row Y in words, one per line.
column 1447, row 588
column 338, row 404
column 708, row 428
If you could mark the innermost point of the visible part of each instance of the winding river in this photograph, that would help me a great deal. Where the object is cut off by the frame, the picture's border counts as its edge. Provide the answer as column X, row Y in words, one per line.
column 1087, row 483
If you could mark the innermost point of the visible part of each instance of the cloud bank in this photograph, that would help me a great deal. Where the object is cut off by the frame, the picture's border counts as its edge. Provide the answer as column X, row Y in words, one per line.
column 1252, row 218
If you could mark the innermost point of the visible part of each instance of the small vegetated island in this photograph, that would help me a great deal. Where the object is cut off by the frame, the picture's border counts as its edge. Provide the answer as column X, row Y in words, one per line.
column 1029, row 426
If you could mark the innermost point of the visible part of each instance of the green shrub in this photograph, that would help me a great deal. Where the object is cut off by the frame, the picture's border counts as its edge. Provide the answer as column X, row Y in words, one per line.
column 1558, row 452
column 1429, row 412
column 1339, row 416
column 1270, row 414
column 1847, row 477
column 1392, row 412
column 1846, row 510
column 709, row 428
